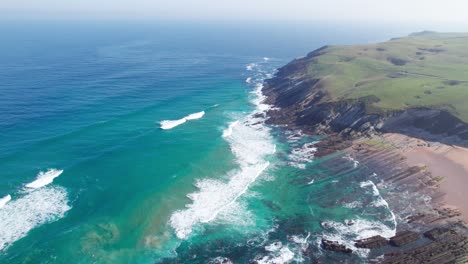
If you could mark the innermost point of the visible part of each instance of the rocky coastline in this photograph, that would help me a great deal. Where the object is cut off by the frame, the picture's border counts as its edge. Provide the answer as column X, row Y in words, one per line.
column 431, row 232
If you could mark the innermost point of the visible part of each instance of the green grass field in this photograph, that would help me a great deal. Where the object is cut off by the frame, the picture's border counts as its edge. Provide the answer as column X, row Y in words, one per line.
column 422, row 70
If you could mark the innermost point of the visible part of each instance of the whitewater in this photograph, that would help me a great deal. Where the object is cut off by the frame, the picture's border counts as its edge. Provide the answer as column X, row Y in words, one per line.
column 32, row 207
column 251, row 143
column 169, row 124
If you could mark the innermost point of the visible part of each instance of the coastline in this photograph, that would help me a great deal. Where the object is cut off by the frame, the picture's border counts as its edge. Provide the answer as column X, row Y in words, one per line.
column 449, row 164
column 421, row 175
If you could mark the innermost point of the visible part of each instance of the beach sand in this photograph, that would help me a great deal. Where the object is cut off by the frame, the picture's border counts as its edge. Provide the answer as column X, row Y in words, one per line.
column 449, row 162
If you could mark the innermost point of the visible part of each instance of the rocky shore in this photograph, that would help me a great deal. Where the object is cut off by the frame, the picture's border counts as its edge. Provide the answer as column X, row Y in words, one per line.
column 431, row 227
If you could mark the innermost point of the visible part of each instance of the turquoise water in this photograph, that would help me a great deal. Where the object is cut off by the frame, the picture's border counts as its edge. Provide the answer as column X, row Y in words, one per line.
column 93, row 178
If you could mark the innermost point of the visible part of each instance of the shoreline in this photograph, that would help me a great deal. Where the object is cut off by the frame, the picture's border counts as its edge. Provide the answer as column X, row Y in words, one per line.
column 449, row 164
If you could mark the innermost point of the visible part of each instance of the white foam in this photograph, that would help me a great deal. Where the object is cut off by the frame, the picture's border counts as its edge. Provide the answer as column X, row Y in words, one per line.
column 282, row 256
column 266, row 59
column 44, row 178
column 371, row 184
column 299, row 157
column 380, row 201
column 195, row 115
column 311, row 182
column 273, row 247
column 248, row 80
column 228, row 131
column 355, row 162
column 251, row 66
column 5, row 200
column 354, row 204
column 169, row 124
column 37, row 207
column 346, row 234
column 250, row 142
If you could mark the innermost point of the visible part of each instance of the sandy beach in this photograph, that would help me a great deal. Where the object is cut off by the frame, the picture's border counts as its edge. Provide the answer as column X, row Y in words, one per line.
column 449, row 163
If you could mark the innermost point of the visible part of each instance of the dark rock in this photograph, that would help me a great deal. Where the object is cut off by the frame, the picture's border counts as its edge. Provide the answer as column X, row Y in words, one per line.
column 403, row 238
column 372, row 242
column 439, row 233
column 335, row 246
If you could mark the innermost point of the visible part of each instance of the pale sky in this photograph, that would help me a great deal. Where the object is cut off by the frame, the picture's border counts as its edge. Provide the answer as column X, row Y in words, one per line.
column 268, row 10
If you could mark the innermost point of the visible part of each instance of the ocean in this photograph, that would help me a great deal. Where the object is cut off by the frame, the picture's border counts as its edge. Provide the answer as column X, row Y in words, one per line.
column 126, row 142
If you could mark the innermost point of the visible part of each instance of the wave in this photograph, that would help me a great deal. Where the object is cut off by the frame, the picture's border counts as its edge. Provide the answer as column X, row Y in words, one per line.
column 44, row 178
column 5, row 200
column 228, row 131
column 37, row 207
column 195, row 115
column 299, row 157
column 355, row 162
column 250, row 142
column 169, row 124
column 279, row 254
column 380, row 201
column 251, row 66
column 346, row 233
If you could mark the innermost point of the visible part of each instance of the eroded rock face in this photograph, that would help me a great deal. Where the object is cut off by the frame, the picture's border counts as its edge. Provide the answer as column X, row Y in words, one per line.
column 335, row 246
column 448, row 245
column 372, row 242
column 305, row 103
column 404, row 238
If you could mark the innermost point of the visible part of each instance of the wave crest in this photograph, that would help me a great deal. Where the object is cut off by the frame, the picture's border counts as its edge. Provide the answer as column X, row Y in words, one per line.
column 169, row 124
column 44, row 178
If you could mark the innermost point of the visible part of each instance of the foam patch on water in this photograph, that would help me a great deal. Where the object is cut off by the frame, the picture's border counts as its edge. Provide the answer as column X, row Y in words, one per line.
column 251, row 66
column 44, row 178
column 5, row 200
column 347, row 233
column 169, row 124
column 228, row 131
column 195, row 115
column 35, row 208
column 380, row 201
column 279, row 254
column 250, row 142
column 299, row 157
column 355, row 162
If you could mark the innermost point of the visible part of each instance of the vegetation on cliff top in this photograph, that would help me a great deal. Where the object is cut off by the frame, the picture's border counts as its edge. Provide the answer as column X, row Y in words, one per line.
column 425, row 69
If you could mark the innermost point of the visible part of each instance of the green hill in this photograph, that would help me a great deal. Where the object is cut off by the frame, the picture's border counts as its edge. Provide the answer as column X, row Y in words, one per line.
column 425, row 69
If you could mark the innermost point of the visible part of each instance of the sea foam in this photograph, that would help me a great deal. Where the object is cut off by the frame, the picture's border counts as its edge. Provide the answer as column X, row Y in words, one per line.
column 228, row 131
column 44, row 178
column 169, row 124
column 250, row 142
column 35, row 208
column 346, row 234
column 5, row 200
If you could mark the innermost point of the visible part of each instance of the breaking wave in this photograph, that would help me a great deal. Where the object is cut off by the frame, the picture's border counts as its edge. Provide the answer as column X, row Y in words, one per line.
column 250, row 142
column 5, row 200
column 346, row 233
column 169, row 124
column 44, row 178
column 35, row 208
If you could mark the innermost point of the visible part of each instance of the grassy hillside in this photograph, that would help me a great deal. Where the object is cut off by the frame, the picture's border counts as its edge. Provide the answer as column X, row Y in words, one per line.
column 422, row 70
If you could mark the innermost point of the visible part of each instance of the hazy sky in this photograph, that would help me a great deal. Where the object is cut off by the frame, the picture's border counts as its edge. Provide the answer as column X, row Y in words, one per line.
column 276, row 10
